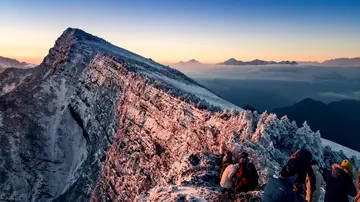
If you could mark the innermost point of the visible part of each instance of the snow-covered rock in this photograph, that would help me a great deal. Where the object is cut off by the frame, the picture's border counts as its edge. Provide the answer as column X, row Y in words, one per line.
column 338, row 147
column 97, row 122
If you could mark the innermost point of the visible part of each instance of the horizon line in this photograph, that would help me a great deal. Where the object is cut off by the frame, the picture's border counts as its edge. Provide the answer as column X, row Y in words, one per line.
column 38, row 60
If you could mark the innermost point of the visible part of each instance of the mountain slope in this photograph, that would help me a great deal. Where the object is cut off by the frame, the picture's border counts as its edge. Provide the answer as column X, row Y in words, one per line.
column 333, row 126
column 58, row 122
column 337, row 147
column 348, row 108
column 96, row 122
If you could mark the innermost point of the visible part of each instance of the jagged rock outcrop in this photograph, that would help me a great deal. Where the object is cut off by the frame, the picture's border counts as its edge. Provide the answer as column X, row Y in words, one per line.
column 58, row 121
column 96, row 122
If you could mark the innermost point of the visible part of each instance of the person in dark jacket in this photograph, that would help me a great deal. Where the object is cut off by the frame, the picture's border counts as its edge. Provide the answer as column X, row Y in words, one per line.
column 281, row 189
column 247, row 177
column 339, row 183
column 302, row 160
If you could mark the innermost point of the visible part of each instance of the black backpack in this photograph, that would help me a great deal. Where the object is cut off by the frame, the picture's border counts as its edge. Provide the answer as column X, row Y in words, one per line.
column 247, row 177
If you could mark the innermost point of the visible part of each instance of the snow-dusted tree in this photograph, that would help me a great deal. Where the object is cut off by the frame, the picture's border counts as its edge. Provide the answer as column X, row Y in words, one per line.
column 307, row 139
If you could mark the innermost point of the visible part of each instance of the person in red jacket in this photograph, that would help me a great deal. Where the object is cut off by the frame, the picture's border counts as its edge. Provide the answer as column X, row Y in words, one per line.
column 246, row 176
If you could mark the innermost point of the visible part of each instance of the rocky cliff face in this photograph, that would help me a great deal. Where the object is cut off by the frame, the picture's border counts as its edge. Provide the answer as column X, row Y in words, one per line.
column 96, row 122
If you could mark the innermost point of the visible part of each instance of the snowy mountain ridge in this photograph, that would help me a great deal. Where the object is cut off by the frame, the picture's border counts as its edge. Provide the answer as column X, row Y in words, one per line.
column 97, row 122
column 9, row 62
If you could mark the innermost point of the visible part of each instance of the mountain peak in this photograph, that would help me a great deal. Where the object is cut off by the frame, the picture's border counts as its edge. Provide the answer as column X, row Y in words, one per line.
column 193, row 61
column 78, row 34
column 190, row 62
column 231, row 61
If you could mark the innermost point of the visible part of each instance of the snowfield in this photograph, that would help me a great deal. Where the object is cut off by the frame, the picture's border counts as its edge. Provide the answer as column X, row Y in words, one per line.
column 198, row 91
column 337, row 147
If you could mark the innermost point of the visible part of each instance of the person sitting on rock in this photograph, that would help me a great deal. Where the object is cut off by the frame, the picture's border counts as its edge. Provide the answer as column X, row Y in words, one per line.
column 227, row 179
column 281, row 189
column 246, row 177
column 227, row 159
column 339, row 183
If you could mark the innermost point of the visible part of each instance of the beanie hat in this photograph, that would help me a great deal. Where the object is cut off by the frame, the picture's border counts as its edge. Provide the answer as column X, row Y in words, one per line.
column 303, row 155
column 346, row 164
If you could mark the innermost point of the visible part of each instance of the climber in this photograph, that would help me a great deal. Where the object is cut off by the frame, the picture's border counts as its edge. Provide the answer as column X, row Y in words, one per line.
column 246, row 177
column 227, row 159
column 319, row 182
column 227, row 179
column 339, row 183
column 357, row 197
column 281, row 189
column 303, row 167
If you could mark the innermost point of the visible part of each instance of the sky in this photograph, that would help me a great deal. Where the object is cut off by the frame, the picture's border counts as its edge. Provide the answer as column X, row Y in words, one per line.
column 180, row 30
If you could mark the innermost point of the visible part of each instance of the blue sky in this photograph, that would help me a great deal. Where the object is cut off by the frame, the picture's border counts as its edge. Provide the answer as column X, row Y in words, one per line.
column 169, row 31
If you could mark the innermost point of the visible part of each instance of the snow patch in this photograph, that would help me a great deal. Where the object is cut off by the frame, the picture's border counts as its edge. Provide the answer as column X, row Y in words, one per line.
column 200, row 92
column 337, row 147
column 8, row 88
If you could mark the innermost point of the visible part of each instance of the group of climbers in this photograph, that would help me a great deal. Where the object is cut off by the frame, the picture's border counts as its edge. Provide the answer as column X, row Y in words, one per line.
column 238, row 177
column 300, row 179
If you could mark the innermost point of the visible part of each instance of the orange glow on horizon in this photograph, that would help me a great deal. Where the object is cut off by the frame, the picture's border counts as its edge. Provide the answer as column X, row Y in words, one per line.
column 38, row 60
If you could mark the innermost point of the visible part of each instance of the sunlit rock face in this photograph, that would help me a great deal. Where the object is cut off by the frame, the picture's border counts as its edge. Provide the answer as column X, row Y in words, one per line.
column 96, row 122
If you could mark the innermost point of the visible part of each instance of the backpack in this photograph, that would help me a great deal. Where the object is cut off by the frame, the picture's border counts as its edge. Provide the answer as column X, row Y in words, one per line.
column 246, row 178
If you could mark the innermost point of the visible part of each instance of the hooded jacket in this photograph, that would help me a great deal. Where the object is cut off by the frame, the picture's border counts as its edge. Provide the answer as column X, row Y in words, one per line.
column 319, row 182
column 339, row 185
column 224, row 163
column 280, row 189
column 302, row 159
column 226, row 178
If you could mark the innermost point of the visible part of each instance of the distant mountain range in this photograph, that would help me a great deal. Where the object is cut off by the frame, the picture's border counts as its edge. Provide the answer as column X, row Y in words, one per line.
column 343, row 61
column 233, row 61
column 9, row 62
column 190, row 62
column 308, row 62
column 337, row 121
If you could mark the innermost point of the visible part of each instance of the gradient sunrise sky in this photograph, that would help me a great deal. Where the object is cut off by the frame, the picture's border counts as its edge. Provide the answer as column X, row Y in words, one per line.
column 170, row 31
